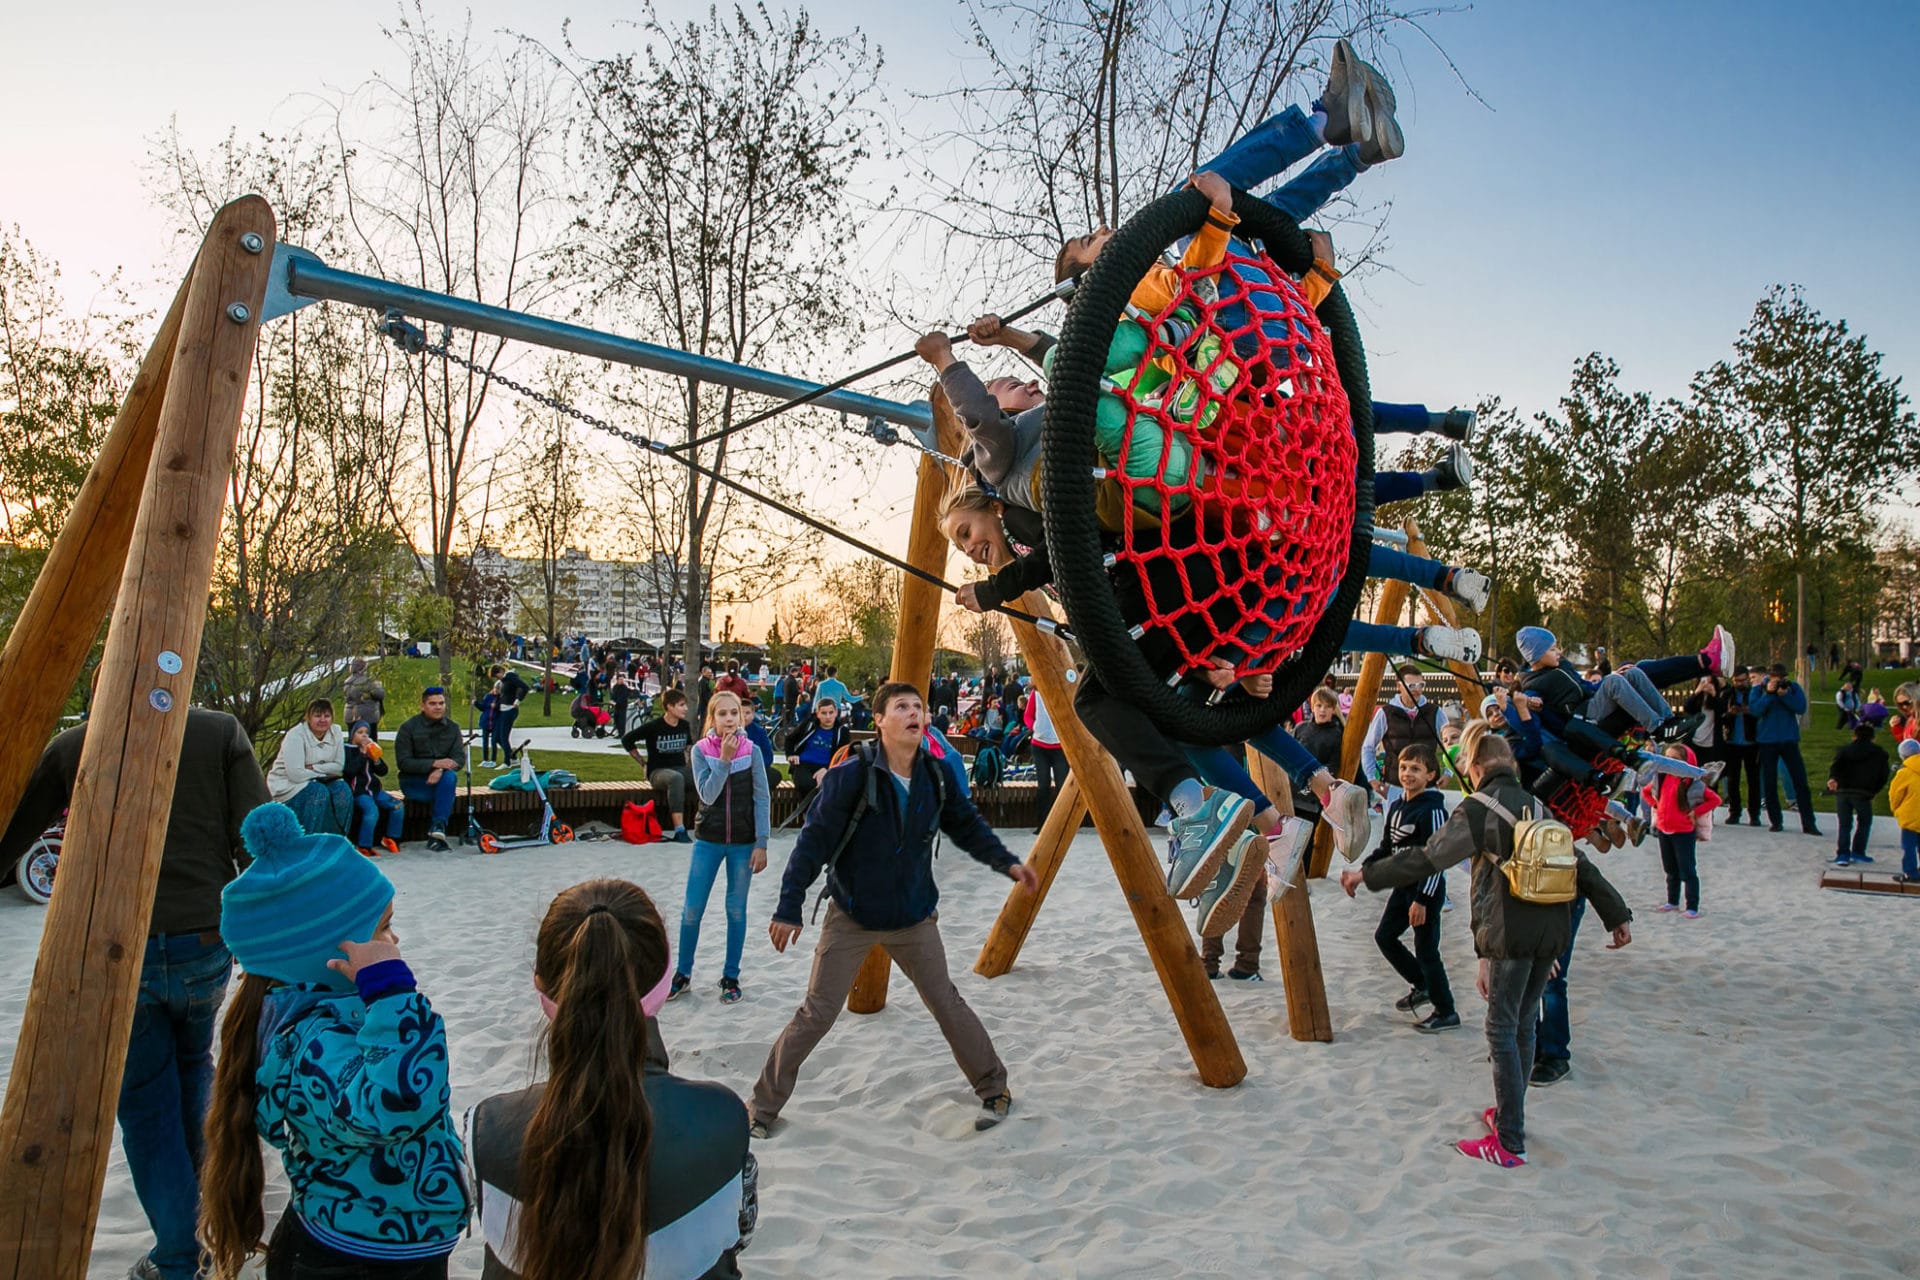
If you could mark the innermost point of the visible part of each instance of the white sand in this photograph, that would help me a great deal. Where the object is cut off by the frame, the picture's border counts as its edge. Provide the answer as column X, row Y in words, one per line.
column 1741, row 1102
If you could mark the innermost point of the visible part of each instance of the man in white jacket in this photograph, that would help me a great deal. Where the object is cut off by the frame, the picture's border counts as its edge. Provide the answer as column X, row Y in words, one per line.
column 306, row 774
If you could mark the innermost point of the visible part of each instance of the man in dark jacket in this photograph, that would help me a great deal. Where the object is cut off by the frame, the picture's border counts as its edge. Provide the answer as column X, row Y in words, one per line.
column 1861, row 770
column 183, row 976
column 873, row 829
column 1734, row 731
column 431, row 750
column 1518, row 942
column 1777, row 707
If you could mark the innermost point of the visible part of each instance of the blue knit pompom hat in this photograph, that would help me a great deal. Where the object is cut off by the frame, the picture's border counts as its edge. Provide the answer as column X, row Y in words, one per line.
column 286, row 915
column 1533, row 643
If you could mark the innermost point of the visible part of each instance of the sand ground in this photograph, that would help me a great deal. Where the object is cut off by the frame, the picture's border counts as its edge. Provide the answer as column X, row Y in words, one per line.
column 1738, row 1105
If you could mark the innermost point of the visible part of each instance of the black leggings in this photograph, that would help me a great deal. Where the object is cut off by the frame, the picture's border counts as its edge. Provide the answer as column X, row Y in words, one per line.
column 1133, row 739
column 293, row 1254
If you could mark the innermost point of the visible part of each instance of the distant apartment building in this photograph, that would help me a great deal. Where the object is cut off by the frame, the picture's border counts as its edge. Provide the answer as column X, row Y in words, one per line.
column 613, row 599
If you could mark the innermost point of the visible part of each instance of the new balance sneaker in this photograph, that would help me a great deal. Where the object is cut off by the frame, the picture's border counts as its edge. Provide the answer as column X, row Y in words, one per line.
column 992, row 1111
column 1347, row 812
column 1471, row 589
column 1636, row 831
column 1714, row 770
column 1345, row 99
column 1490, row 1150
column 1287, row 850
column 1199, row 841
column 1718, row 655
column 1451, row 644
column 729, row 990
column 1224, row 901
column 1453, row 471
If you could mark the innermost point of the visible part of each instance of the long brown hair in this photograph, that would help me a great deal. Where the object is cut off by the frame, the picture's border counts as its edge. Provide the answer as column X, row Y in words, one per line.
column 583, row 1164
column 233, row 1222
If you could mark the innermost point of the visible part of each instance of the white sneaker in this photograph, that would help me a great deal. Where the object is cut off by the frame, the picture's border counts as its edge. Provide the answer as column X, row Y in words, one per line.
column 1471, row 589
column 1346, row 811
column 1454, row 644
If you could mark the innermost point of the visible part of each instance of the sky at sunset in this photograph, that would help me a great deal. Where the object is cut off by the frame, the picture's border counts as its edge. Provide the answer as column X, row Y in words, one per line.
column 1636, row 177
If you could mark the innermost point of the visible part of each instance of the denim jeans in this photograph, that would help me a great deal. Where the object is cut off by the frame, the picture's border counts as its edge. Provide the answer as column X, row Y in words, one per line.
column 1909, row 853
column 503, row 732
column 1774, row 756
column 1513, row 1002
column 1635, row 692
column 414, row 786
column 1397, row 420
column 1397, row 486
column 701, row 873
column 1554, row 1031
column 1853, row 813
column 163, row 1094
column 324, row 807
column 369, row 809
column 1275, row 145
column 1678, row 859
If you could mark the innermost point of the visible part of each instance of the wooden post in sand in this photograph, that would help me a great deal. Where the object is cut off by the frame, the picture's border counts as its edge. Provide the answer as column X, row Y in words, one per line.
column 1136, row 864
column 912, row 662
column 1442, row 610
column 1294, row 933
column 57, row 1124
column 1393, row 599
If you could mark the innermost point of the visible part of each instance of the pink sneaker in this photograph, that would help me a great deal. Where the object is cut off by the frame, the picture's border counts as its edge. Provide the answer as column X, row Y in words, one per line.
column 1690, row 915
column 1487, row 1119
column 1666, row 906
column 1490, row 1150
column 1719, row 653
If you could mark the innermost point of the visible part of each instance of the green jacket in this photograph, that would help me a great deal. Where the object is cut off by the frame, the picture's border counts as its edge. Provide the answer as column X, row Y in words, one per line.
column 422, row 741
column 1504, row 927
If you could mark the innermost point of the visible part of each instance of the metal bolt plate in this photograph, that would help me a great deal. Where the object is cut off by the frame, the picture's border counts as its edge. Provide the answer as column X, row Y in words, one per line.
column 252, row 242
column 161, row 700
column 238, row 313
column 169, row 662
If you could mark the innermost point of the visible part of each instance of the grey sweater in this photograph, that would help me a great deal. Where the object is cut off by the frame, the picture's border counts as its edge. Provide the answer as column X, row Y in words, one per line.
column 1005, row 448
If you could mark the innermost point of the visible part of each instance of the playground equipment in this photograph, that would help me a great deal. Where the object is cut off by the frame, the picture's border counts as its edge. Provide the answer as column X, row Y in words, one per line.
column 141, row 540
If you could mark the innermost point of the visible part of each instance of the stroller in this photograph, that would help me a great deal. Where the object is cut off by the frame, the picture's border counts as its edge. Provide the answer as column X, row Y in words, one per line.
column 590, row 719
column 34, row 872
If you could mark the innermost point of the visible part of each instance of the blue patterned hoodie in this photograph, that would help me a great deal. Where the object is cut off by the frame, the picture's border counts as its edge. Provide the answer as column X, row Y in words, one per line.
column 354, row 1093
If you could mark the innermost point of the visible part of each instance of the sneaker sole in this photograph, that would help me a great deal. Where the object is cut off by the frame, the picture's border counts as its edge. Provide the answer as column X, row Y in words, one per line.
column 1726, row 652
column 1216, row 853
column 1232, row 904
column 1353, row 95
column 1359, row 819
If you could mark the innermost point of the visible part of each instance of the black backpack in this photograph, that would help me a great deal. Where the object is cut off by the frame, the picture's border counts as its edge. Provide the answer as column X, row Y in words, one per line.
column 863, row 756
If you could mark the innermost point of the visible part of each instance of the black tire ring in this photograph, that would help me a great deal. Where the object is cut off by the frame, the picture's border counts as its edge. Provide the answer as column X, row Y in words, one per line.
column 1073, row 532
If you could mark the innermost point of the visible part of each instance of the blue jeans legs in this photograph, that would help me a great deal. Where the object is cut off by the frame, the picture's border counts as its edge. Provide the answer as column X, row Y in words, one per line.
column 1909, row 853
column 1553, row 1038
column 324, row 807
column 369, row 811
column 701, row 873
column 163, row 1094
column 414, row 786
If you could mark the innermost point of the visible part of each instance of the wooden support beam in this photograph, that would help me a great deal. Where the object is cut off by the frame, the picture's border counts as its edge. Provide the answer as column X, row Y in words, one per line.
column 1136, row 865
column 56, row 1127
column 56, row 628
column 1441, row 610
column 912, row 662
column 1393, row 599
column 1293, row 929
column 1049, row 850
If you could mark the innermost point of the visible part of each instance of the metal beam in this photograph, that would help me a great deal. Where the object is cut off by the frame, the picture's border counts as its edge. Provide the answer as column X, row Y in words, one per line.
column 299, row 278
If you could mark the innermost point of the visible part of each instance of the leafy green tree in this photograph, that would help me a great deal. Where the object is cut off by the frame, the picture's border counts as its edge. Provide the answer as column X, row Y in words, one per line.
column 1829, row 438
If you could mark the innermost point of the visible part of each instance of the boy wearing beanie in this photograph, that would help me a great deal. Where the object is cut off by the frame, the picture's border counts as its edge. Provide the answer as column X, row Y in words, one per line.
column 351, row 1079
column 1904, row 796
column 1621, row 699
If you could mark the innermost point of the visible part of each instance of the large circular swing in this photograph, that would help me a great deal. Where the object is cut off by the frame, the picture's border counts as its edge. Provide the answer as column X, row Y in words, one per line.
column 1249, row 540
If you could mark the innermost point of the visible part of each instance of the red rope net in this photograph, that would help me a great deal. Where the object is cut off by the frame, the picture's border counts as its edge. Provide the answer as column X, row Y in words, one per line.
column 1224, row 426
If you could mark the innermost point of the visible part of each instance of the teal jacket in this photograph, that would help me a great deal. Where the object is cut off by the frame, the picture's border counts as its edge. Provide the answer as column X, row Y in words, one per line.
column 353, row 1091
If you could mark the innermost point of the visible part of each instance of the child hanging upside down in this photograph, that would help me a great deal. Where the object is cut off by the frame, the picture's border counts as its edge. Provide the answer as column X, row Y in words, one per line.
column 1625, row 699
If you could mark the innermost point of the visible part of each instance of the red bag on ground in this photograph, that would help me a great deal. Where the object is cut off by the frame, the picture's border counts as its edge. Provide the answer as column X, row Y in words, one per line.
column 638, row 825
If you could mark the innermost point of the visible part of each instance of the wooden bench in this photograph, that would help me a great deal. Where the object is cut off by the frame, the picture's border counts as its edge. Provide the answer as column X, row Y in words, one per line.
column 1868, row 882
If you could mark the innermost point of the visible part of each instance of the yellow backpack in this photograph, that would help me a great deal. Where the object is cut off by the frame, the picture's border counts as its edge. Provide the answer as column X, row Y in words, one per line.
column 1544, row 868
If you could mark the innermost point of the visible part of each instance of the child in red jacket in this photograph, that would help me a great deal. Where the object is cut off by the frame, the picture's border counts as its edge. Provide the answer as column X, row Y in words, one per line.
column 1676, row 806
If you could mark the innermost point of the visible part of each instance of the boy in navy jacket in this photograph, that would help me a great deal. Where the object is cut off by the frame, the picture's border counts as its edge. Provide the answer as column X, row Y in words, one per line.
column 873, row 830
column 1412, row 820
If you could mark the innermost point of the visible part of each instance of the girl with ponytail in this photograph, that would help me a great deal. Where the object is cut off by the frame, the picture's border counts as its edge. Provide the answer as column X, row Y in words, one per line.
column 611, row 1168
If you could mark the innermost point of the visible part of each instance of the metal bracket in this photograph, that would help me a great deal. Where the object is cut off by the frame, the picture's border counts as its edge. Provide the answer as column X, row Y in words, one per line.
column 281, row 300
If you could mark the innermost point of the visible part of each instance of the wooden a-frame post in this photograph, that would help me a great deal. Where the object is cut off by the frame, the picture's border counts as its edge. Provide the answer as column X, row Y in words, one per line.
column 148, row 517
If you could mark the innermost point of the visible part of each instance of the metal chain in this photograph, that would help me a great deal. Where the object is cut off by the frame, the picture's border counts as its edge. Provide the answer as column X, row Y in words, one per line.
column 410, row 338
